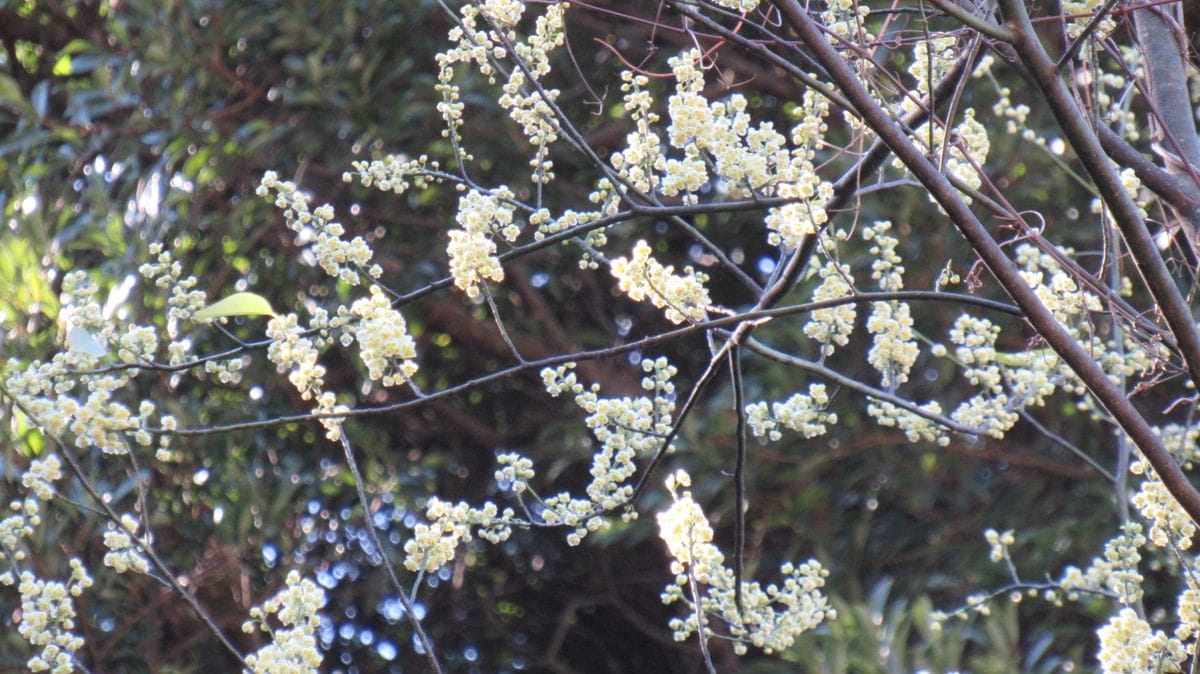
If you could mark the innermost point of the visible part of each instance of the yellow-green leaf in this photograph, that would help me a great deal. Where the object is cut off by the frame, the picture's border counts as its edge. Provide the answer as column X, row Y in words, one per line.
column 1024, row 358
column 237, row 304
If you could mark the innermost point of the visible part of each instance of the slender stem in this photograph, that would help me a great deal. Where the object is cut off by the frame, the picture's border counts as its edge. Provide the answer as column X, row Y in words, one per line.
column 739, row 477
column 551, row 361
column 857, row 386
column 167, row 575
column 407, row 603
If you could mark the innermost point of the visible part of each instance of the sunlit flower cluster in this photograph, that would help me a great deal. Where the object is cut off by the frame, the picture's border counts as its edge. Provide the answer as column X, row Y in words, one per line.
column 294, row 353
column 1128, row 645
column 625, row 428
column 82, row 409
column 643, row 278
column 42, row 475
column 803, row 413
column 1116, row 571
column 395, row 173
column 999, row 543
column 47, row 615
column 123, row 554
column 183, row 299
column 48, row 618
column 1081, row 13
column 831, row 327
column 642, row 159
column 1169, row 523
column 383, row 339
column 845, row 20
column 472, row 249
column 931, row 60
column 529, row 105
column 966, row 149
column 914, row 426
column 338, row 257
column 768, row 618
column 435, row 543
column 293, row 645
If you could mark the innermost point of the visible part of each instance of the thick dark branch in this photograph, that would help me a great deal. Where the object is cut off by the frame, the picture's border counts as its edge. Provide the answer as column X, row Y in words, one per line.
column 1056, row 336
column 1165, row 62
column 1153, row 177
column 1079, row 133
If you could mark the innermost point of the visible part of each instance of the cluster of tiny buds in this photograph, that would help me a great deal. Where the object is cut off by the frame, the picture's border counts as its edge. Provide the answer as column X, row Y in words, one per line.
column 769, row 618
column 123, row 553
column 337, row 257
column 999, row 543
column 293, row 647
column 396, row 173
column 683, row 297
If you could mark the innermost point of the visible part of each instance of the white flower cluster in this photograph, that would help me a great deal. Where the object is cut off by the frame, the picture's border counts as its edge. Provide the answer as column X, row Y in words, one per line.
column 1132, row 186
column 642, row 159
column 769, row 618
column 1188, row 609
column 999, row 543
column 527, row 106
column 395, row 173
column 383, row 338
column 1082, row 12
column 642, row 277
column 547, row 225
column 472, row 260
column 293, row 648
column 791, row 223
column 894, row 345
column 123, row 553
column 1115, row 94
column 932, row 59
column 967, row 148
column 1057, row 289
column 339, row 258
column 48, row 618
column 183, row 301
column 1169, row 522
column 294, row 353
column 844, row 20
column 989, row 409
column 16, row 527
column 739, row 5
column 804, row 413
column 61, row 396
column 42, row 475
column 485, row 46
column 47, row 615
column 1128, row 645
column 434, row 545
column 624, row 428
column 915, row 427
column 831, row 327
column 514, row 473
column 1015, row 115
column 719, row 141
column 749, row 159
column 1116, row 571
column 472, row 249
